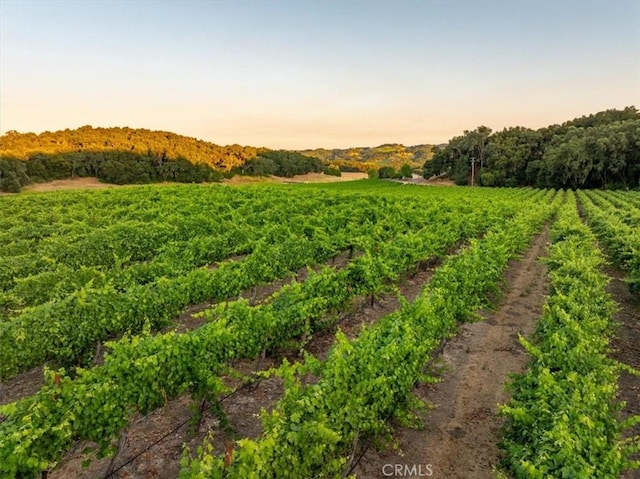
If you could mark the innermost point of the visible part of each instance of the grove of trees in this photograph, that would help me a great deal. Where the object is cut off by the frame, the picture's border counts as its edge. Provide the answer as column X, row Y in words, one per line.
column 281, row 163
column 594, row 151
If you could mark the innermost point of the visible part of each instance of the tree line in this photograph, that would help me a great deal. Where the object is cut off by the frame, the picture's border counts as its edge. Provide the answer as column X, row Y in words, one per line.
column 126, row 155
column 118, row 167
column 601, row 150
column 281, row 163
column 594, row 151
column 163, row 144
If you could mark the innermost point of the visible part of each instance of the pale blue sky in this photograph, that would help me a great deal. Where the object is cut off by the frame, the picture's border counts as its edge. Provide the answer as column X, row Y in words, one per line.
column 314, row 74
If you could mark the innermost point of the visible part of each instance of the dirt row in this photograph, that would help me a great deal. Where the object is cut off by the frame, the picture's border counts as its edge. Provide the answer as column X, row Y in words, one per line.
column 624, row 345
column 152, row 446
column 461, row 426
column 625, row 349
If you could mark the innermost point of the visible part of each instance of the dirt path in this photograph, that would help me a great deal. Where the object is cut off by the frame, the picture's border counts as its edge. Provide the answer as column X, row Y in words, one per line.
column 68, row 184
column 460, row 435
column 625, row 347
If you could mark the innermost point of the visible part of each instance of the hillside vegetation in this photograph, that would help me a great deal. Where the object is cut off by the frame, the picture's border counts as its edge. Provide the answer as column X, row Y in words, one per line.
column 127, row 155
column 364, row 159
column 594, row 151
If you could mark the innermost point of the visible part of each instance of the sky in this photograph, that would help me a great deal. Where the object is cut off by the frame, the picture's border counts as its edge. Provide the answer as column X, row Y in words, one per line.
column 309, row 74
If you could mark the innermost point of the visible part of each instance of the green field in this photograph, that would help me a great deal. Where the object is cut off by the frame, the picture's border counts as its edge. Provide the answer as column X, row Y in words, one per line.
column 96, row 286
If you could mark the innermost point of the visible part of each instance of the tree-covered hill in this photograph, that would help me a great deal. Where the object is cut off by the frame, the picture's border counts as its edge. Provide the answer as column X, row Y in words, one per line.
column 128, row 155
column 160, row 144
column 135, row 155
column 594, row 151
column 364, row 159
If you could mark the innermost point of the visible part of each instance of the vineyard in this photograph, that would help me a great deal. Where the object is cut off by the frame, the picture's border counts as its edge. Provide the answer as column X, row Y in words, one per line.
column 137, row 326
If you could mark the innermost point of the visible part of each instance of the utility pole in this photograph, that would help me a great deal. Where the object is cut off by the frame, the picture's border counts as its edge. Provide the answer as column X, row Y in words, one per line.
column 473, row 170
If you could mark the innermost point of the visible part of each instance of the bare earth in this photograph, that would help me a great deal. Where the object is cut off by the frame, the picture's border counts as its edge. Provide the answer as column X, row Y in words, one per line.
column 625, row 348
column 91, row 182
column 419, row 180
column 70, row 184
column 322, row 178
column 461, row 434
column 308, row 178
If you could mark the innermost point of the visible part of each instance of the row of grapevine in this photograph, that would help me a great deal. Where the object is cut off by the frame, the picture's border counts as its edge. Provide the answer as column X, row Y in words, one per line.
column 133, row 247
column 38, row 216
column 174, row 258
column 142, row 372
column 34, row 219
column 562, row 417
column 366, row 381
column 629, row 197
column 620, row 200
column 98, row 239
column 66, row 330
column 621, row 239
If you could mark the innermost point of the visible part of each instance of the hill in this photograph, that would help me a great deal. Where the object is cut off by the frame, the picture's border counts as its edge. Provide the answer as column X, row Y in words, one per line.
column 163, row 145
column 128, row 155
column 363, row 159
column 137, row 155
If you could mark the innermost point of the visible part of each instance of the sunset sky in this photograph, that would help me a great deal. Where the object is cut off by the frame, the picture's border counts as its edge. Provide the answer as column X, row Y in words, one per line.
column 304, row 74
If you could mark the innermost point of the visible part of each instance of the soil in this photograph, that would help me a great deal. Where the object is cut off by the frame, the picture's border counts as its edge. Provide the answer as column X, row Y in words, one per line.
column 322, row 178
column 625, row 349
column 624, row 346
column 440, row 182
column 69, row 184
column 22, row 385
column 461, row 430
column 307, row 178
column 460, row 434
column 419, row 180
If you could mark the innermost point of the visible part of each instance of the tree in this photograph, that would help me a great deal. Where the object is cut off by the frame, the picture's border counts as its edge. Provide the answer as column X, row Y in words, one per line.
column 589, row 152
column 509, row 152
column 10, row 183
column 386, row 172
column 406, row 171
column 332, row 171
column 13, row 175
